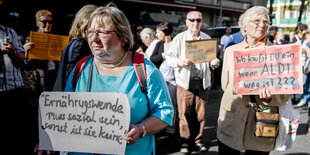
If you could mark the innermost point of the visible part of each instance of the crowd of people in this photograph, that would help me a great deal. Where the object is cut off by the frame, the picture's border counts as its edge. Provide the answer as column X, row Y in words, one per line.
column 177, row 88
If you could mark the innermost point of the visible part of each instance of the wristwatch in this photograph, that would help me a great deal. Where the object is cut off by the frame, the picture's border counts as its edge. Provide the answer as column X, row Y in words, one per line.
column 143, row 130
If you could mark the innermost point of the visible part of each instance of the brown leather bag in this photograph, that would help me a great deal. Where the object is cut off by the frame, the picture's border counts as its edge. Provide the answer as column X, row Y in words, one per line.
column 266, row 123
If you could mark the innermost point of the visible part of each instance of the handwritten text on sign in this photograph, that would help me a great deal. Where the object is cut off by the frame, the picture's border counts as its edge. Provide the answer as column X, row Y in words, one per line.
column 85, row 122
column 201, row 51
column 277, row 68
column 47, row 46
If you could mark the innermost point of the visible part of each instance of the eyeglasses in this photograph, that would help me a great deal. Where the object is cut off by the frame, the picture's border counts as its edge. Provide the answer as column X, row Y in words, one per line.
column 198, row 20
column 47, row 21
column 257, row 22
column 101, row 33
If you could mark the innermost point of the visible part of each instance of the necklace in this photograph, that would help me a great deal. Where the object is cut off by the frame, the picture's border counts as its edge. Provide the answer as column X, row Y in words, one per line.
column 112, row 65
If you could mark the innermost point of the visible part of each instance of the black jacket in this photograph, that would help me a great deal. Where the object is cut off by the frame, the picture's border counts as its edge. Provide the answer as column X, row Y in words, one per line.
column 156, row 57
column 79, row 50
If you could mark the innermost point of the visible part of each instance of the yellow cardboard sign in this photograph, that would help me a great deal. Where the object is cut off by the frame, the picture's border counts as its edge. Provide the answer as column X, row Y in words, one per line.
column 201, row 51
column 47, row 46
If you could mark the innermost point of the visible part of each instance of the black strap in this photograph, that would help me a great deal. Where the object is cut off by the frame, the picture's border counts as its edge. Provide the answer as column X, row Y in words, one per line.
column 253, row 100
column 275, row 122
column 90, row 75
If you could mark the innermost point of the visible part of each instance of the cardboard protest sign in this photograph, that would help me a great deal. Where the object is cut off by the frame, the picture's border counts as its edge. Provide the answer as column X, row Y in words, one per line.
column 201, row 51
column 83, row 122
column 47, row 46
column 277, row 68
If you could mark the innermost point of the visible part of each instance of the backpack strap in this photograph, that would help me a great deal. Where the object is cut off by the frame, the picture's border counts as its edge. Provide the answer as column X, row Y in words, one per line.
column 139, row 66
column 78, row 69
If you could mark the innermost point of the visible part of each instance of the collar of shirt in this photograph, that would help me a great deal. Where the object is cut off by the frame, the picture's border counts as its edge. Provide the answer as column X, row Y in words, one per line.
column 261, row 42
column 193, row 38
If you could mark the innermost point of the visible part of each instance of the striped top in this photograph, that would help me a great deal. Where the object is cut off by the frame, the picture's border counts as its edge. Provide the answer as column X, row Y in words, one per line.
column 10, row 77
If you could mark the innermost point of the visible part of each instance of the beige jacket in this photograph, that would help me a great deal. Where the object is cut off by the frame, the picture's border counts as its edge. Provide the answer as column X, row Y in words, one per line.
column 236, row 116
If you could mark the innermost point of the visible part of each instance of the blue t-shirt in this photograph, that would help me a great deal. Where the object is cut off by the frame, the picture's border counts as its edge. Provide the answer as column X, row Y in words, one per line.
column 160, row 102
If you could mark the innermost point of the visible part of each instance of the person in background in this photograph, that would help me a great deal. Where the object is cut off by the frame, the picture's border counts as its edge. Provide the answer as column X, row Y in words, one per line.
column 272, row 33
column 193, row 84
column 149, row 40
column 236, row 37
column 279, row 39
column 14, row 129
column 292, row 37
column 300, row 32
column 77, row 48
column 224, row 40
column 305, row 97
column 163, row 33
column 137, row 36
column 236, row 125
column 46, row 68
column 14, row 21
column 110, row 39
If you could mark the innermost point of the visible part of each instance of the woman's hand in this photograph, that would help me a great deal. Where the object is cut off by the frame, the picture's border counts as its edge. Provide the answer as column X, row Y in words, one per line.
column 135, row 132
column 215, row 63
column 40, row 152
column 163, row 55
column 27, row 47
column 265, row 95
column 139, row 50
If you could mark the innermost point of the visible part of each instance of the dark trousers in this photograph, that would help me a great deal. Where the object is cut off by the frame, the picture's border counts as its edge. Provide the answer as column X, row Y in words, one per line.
column 18, row 123
column 224, row 150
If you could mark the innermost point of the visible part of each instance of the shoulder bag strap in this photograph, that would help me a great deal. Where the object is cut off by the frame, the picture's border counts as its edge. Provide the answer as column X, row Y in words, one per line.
column 253, row 100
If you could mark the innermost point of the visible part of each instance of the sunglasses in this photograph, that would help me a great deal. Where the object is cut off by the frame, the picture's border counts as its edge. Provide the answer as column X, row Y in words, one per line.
column 198, row 20
column 47, row 21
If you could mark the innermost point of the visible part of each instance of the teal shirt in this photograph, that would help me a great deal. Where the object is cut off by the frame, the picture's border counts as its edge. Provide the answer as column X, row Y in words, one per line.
column 160, row 102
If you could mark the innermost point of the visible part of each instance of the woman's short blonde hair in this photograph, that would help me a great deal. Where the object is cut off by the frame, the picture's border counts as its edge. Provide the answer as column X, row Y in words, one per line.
column 120, row 23
column 81, row 21
column 147, row 34
column 42, row 13
column 249, row 13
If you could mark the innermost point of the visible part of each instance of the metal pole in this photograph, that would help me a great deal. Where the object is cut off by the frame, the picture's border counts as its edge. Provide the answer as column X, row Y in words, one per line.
column 221, row 10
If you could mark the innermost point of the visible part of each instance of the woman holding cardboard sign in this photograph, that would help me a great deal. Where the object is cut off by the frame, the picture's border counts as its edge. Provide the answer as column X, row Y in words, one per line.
column 236, row 125
column 111, row 69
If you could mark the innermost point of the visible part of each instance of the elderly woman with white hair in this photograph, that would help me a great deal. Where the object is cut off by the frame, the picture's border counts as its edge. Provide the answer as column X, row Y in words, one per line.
column 236, row 125
column 149, row 40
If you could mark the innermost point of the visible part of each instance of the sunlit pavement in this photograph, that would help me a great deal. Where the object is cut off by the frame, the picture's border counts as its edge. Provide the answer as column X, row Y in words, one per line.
column 170, row 146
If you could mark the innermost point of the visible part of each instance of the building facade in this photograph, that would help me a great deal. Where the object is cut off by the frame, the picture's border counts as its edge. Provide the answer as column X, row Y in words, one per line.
column 286, row 13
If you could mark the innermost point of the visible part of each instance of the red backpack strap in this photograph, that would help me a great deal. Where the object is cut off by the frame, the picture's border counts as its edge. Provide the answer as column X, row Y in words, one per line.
column 78, row 69
column 139, row 66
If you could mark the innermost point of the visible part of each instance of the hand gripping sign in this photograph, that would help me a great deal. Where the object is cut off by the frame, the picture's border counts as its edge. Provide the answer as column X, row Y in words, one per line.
column 83, row 122
column 277, row 68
